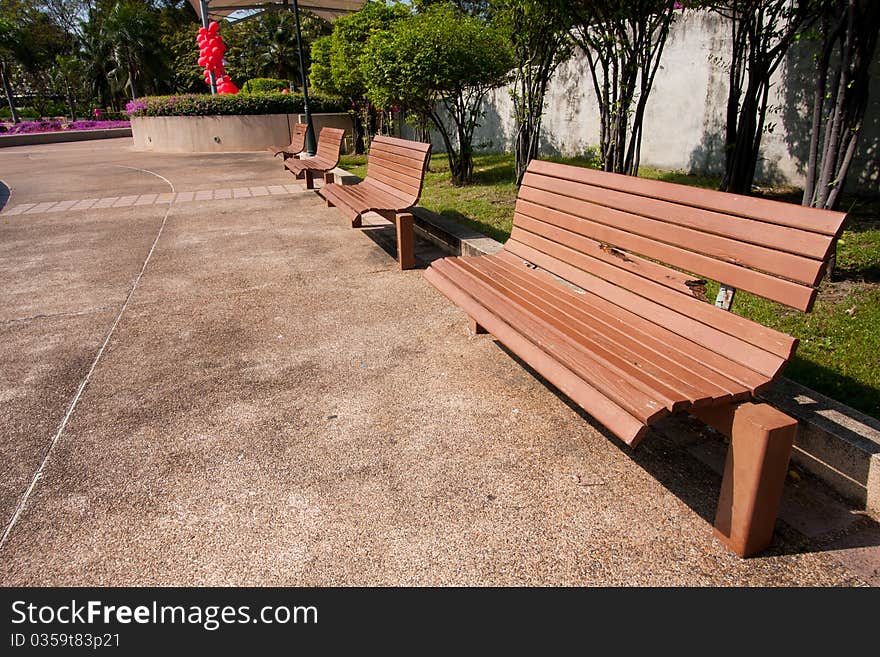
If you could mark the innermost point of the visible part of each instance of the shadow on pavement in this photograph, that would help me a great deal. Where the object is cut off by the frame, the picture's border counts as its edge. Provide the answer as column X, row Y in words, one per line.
column 688, row 458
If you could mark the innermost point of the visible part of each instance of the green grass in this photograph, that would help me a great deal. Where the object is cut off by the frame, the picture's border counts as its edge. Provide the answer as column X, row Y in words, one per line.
column 839, row 352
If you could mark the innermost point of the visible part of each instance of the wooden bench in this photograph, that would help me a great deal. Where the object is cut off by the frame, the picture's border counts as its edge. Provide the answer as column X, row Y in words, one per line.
column 325, row 160
column 636, row 340
column 297, row 143
column 395, row 172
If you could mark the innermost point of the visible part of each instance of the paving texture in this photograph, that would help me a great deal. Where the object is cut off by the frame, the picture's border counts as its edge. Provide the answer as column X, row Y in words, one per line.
column 279, row 404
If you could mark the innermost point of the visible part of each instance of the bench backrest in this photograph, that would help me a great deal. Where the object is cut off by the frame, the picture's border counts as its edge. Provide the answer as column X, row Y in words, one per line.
column 330, row 145
column 398, row 166
column 620, row 227
column 298, row 138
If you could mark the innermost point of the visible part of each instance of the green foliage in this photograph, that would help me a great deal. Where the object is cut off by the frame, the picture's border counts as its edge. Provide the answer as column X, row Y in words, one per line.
column 227, row 105
column 441, row 64
column 264, row 85
column 337, row 58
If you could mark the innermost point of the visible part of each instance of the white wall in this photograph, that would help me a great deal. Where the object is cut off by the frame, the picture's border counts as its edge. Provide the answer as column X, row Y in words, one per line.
column 684, row 121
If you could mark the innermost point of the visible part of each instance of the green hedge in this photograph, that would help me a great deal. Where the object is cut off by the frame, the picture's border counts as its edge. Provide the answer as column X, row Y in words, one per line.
column 229, row 104
column 264, row 85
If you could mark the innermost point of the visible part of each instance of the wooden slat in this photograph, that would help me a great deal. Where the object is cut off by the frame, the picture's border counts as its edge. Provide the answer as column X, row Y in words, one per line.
column 611, row 415
column 765, row 338
column 779, row 238
column 406, row 188
column 616, row 329
column 736, row 349
column 825, row 222
column 330, row 145
column 788, row 265
column 636, row 402
column 407, row 165
column 408, row 144
column 765, row 285
column 663, row 340
column 646, row 370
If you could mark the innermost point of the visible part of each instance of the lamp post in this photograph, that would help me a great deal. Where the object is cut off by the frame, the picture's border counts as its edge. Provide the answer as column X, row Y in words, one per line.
column 204, row 12
column 311, row 146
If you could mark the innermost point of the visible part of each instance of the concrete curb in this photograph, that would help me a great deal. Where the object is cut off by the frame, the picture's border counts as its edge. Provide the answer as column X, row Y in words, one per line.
column 7, row 141
column 836, row 443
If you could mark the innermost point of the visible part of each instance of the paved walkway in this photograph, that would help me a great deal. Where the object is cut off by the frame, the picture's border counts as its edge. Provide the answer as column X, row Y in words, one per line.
column 247, row 391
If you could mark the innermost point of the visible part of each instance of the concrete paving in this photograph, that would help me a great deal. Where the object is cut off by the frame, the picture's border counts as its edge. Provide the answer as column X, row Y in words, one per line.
column 277, row 404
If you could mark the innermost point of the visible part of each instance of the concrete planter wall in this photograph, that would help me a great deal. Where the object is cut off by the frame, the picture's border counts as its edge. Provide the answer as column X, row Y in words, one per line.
column 62, row 136
column 223, row 134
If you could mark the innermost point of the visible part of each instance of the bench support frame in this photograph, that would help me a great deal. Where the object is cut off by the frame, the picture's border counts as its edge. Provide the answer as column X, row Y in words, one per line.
column 403, row 225
column 475, row 328
column 761, row 439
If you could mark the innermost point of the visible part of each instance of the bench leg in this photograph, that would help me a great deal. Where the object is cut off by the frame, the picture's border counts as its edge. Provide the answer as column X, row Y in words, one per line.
column 473, row 327
column 356, row 222
column 405, row 240
column 310, row 179
column 328, row 178
column 761, row 438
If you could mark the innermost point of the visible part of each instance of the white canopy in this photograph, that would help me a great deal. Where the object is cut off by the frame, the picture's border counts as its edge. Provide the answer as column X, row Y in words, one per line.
column 326, row 9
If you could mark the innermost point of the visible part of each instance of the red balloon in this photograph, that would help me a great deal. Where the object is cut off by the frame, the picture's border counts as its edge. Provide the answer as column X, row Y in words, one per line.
column 202, row 62
column 213, row 27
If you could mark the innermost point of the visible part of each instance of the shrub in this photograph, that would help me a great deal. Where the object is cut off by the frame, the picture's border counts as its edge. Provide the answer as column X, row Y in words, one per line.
column 228, row 104
column 264, row 85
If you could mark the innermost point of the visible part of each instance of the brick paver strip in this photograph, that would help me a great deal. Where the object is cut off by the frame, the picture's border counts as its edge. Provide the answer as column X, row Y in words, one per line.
column 63, row 205
column 41, row 207
column 125, row 201
column 149, row 199
column 18, row 209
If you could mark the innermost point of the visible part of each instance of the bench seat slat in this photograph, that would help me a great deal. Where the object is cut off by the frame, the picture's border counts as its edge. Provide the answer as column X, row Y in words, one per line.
column 616, row 419
column 622, row 391
column 651, row 371
column 780, row 263
column 710, row 364
column 616, row 328
column 656, row 385
column 739, row 350
column 792, row 294
column 571, row 260
column 814, row 220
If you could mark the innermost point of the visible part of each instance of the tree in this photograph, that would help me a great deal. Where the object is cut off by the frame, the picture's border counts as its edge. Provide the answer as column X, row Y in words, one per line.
column 623, row 42
column 132, row 27
column 336, row 61
column 761, row 32
column 441, row 64
column 8, row 40
column 847, row 32
column 539, row 36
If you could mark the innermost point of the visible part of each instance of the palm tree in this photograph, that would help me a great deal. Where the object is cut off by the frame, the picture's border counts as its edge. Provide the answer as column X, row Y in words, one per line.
column 130, row 28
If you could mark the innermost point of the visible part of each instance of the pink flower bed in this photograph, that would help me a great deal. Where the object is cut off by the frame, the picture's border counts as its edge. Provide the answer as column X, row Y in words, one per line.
column 32, row 127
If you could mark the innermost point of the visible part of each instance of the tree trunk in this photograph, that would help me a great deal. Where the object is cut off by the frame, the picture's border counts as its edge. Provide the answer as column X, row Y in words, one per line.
column 7, row 88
